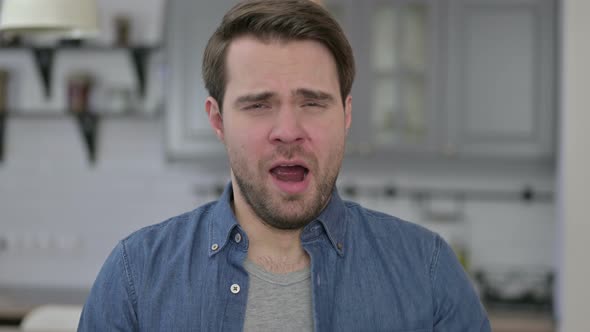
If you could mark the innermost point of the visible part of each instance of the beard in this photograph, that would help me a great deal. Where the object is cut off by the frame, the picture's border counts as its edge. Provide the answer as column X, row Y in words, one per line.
column 286, row 211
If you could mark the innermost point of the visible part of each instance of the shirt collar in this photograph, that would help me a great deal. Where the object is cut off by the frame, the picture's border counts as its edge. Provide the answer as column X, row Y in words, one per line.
column 223, row 221
column 333, row 221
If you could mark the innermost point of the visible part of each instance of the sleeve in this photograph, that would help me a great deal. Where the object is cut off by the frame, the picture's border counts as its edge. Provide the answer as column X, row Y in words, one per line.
column 110, row 305
column 457, row 306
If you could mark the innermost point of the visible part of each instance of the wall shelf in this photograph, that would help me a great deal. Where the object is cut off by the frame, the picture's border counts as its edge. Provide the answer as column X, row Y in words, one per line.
column 527, row 194
column 44, row 57
column 139, row 115
column 88, row 123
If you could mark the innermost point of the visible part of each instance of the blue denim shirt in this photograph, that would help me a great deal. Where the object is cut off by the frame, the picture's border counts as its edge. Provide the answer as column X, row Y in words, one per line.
column 370, row 272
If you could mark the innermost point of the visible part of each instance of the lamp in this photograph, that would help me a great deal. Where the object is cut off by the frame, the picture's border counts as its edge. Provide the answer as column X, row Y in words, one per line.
column 61, row 18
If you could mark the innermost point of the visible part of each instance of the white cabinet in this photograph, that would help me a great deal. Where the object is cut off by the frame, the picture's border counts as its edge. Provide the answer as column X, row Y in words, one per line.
column 189, row 24
column 465, row 78
column 458, row 78
column 395, row 44
column 501, row 78
column 402, row 78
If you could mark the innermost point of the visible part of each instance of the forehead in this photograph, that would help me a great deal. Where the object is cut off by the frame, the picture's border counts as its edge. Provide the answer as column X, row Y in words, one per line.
column 252, row 63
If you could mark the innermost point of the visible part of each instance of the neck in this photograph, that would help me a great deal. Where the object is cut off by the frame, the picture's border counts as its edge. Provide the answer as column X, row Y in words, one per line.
column 275, row 250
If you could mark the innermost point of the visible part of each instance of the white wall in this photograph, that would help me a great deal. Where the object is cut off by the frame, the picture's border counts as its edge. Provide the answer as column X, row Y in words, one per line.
column 60, row 217
column 510, row 235
column 574, row 167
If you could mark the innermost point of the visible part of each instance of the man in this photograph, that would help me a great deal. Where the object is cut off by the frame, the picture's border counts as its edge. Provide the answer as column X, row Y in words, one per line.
column 280, row 250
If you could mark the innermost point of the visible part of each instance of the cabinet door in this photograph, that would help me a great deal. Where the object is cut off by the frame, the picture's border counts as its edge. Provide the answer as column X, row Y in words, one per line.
column 400, row 65
column 501, row 78
column 396, row 50
column 189, row 24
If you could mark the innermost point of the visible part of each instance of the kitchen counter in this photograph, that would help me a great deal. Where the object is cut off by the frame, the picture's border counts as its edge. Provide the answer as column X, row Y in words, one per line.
column 521, row 321
column 16, row 302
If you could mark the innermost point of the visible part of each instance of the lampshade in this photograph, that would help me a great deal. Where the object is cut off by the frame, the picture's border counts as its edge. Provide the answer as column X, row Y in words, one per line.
column 66, row 18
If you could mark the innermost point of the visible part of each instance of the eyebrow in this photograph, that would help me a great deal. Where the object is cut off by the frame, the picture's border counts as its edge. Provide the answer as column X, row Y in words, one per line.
column 314, row 94
column 254, row 97
column 302, row 92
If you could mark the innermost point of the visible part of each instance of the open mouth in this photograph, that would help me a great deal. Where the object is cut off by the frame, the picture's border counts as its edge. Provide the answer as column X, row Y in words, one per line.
column 290, row 173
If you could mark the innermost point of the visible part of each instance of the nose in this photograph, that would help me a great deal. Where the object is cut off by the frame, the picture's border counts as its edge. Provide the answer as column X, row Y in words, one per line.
column 287, row 127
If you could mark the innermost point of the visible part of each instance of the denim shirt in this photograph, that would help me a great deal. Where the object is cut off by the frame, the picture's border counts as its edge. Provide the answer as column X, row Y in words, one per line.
column 370, row 272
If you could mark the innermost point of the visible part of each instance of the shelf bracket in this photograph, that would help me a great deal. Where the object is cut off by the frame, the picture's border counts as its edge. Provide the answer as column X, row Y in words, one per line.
column 2, row 132
column 139, row 56
column 44, row 61
column 88, row 124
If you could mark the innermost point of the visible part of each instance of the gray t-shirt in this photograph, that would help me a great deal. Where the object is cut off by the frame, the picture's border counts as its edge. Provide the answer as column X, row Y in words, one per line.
column 278, row 302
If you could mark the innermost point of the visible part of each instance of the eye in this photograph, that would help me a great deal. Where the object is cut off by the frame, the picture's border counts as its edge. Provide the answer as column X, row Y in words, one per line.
column 256, row 106
column 313, row 104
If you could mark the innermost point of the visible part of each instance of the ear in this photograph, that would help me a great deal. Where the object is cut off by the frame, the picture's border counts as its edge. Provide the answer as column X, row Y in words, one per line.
column 348, row 112
column 215, row 118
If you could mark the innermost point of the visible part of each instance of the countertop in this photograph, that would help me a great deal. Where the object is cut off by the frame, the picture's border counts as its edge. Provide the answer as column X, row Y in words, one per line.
column 16, row 302
column 521, row 321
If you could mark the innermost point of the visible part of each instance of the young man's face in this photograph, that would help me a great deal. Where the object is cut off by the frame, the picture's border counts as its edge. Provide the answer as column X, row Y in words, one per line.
column 284, row 127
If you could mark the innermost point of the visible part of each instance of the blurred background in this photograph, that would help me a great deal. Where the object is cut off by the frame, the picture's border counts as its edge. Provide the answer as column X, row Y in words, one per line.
column 456, row 126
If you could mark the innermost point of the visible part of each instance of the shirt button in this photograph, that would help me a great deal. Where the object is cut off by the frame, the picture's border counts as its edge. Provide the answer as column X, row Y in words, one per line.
column 235, row 288
column 238, row 237
column 215, row 246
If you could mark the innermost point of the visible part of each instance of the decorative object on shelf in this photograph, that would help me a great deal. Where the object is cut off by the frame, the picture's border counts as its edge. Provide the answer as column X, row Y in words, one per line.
column 10, row 39
column 4, row 81
column 4, row 78
column 122, row 24
column 441, row 209
column 49, row 20
column 524, row 287
column 79, row 92
column 462, row 249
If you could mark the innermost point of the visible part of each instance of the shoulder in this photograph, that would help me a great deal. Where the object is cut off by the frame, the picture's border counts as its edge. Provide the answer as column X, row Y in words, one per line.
column 172, row 234
column 386, row 225
column 393, row 236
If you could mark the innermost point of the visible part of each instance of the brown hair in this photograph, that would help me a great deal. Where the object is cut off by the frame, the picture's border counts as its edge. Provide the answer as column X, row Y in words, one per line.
column 283, row 20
